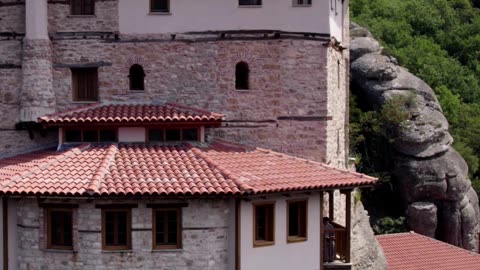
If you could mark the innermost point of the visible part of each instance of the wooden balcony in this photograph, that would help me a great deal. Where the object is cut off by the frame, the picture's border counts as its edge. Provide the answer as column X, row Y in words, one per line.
column 340, row 249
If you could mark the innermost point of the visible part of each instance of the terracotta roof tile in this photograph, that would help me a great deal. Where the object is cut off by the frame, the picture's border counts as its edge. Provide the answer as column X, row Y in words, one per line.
column 129, row 113
column 145, row 170
column 411, row 251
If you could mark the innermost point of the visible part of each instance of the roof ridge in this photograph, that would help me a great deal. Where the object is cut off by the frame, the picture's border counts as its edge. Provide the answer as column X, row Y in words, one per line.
column 102, row 169
column 192, row 109
column 72, row 110
column 67, row 154
column 226, row 173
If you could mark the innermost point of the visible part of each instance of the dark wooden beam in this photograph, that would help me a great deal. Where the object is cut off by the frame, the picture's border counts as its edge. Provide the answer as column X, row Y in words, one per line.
column 167, row 205
column 348, row 224
column 116, row 206
column 331, row 205
column 5, row 232
column 322, row 232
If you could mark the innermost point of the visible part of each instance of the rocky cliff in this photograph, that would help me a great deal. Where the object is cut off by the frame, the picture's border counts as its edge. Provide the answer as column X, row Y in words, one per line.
column 439, row 199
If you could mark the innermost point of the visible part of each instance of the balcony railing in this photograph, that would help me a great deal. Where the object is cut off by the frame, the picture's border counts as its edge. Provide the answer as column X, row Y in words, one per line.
column 340, row 241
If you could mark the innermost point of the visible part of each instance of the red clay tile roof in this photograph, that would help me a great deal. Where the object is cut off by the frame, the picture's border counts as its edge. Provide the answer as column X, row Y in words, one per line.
column 129, row 113
column 411, row 251
column 146, row 170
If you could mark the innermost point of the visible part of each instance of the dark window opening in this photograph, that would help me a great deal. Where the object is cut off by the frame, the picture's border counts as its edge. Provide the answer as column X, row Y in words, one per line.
column 85, row 84
column 137, row 77
column 82, row 7
column 302, row 2
column 190, row 134
column 60, row 229
column 160, row 6
column 264, row 224
column 155, row 135
column 297, row 220
column 108, row 135
column 172, row 135
column 167, row 228
column 242, row 74
column 116, row 229
column 73, row 135
column 90, row 136
column 250, row 2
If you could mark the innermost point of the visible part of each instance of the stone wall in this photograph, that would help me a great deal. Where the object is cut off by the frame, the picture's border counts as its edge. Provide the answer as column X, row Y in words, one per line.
column 285, row 109
column 105, row 18
column 12, row 16
column 205, row 239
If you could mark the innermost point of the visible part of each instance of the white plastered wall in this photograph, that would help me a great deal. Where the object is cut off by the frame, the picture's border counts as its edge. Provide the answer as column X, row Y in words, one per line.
column 281, row 255
column 211, row 15
column 336, row 18
column 131, row 134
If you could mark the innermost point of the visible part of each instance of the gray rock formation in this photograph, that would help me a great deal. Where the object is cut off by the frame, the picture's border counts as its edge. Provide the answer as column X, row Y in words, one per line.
column 367, row 253
column 433, row 177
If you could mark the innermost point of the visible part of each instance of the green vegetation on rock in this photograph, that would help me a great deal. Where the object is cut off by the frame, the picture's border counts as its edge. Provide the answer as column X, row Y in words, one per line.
column 439, row 41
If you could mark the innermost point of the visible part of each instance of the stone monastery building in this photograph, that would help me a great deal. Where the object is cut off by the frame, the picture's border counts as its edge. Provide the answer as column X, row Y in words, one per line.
column 174, row 134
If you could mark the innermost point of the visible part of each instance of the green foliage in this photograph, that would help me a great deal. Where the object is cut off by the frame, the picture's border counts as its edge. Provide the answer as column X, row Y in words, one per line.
column 439, row 41
column 389, row 225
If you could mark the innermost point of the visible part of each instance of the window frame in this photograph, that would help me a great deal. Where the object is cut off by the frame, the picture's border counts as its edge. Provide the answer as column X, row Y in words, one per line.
column 82, row 130
column 49, row 211
column 132, row 78
column 157, row 11
column 128, row 246
column 250, row 5
column 75, row 87
column 164, row 134
column 271, row 226
column 296, row 4
column 83, row 9
column 297, row 238
column 179, row 228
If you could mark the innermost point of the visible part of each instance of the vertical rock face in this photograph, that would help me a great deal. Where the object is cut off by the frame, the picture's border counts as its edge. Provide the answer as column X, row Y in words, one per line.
column 433, row 177
column 367, row 253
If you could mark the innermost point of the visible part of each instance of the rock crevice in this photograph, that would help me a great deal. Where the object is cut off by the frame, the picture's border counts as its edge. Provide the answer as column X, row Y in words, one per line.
column 433, row 178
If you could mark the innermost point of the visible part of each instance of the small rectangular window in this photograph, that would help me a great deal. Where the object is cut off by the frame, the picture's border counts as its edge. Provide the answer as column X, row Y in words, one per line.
column 108, row 135
column 90, row 135
column 167, row 232
column 190, row 134
column 85, row 84
column 73, row 136
column 59, row 229
column 250, row 2
column 155, row 135
column 264, row 218
column 82, row 7
column 172, row 135
column 302, row 3
column 161, row 6
column 116, row 229
column 297, row 221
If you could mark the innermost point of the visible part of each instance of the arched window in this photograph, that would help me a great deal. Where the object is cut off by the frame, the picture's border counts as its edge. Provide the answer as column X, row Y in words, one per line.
column 137, row 77
column 241, row 76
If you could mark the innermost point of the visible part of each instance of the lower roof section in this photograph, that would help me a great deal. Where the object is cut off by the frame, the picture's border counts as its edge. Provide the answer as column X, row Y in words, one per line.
column 411, row 251
column 219, row 168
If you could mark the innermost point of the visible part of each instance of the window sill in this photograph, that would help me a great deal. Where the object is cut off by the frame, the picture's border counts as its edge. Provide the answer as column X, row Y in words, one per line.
column 137, row 91
column 296, row 239
column 117, row 251
column 82, row 16
column 51, row 250
column 159, row 13
column 301, row 5
column 250, row 6
column 263, row 243
column 84, row 102
column 243, row 90
column 167, row 250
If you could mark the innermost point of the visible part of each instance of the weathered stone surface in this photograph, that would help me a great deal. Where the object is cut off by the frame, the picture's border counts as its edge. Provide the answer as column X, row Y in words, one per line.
column 427, row 168
column 367, row 253
column 422, row 218
column 362, row 46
